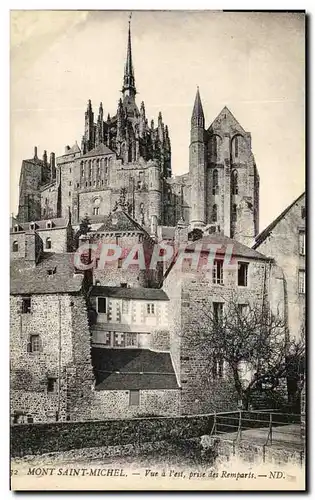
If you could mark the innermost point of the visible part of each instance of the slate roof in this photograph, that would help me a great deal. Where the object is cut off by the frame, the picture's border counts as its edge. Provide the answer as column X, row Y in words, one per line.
column 129, row 293
column 102, row 149
column 119, row 221
column 266, row 232
column 41, row 224
column 229, row 118
column 75, row 149
column 239, row 250
column 26, row 279
column 127, row 369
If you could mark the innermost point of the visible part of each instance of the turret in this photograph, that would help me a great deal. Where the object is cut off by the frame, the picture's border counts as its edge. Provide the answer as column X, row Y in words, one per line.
column 197, row 164
column 88, row 138
column 99, row 139
column 155, row 191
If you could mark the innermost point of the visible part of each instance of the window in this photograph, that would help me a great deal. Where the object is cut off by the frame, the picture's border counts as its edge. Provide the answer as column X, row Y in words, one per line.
column 242, row 275
column 134, row 398
column 51, row 271
column 215, row 183
column 131, row 340
column 96, row 210
column 236, row 146
column 217, row 311
column 214, row 216
column 302, row 243
column 303, row 212
column 150, row 309
column 34, row 344
column 125, row 307
column 217, row 367
column 234, row 213
column 234, row 182
column 26, row 305
column 51, row 384
column 49, row 224
column 32, row 226
column 48, row 243
column 119, row 339
column 70, row 183
column 120, row 261
column 108, row 338
column 301, row 281
column 15, row 246
column 30, row 420
column 101, row 305
column 69, row 194
column 16, row 228
column 243, row 309
column 217, row 272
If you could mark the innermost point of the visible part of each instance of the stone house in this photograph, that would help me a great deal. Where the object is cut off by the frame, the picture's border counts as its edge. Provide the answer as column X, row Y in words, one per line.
column 205, row 383
column 56, row 236
column 50, row 360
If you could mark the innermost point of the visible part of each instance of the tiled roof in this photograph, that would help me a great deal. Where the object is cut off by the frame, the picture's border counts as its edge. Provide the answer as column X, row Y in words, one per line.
column 102, row 149
column 41, row 224
column 238, row 249
column 127, row 369
column 129, row 293
column 266, row 232
column 25, row 279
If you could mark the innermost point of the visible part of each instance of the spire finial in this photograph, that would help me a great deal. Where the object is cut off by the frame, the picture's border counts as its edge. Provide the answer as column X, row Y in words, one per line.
column 129, row 78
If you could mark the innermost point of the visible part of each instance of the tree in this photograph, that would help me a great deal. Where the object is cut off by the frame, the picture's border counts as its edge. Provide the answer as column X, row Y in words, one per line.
column 84, row 228
column 251, row 340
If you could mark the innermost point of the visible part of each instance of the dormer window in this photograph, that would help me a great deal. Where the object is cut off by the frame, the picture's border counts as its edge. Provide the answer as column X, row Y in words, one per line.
column 32, row 226
column 49, row 224
column 48, row 243
column 16, row 228
column 51, row 271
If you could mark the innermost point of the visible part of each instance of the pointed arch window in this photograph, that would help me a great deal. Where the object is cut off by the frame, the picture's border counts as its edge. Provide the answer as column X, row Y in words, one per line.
column 82, row 169
column 15, row 246
column 234, row 182
column 48, row 243
column 215, row 182
column 214, row 216
column 90, row 169
column 234, row 213
column 236, row 147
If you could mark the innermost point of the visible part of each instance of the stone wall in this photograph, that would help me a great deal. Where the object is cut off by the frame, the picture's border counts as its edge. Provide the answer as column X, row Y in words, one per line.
column 283, row 245
column 115, row 404
column 61, row 323
column 60, row 436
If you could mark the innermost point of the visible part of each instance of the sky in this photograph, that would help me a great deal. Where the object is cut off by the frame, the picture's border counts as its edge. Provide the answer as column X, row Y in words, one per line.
column 253, row 63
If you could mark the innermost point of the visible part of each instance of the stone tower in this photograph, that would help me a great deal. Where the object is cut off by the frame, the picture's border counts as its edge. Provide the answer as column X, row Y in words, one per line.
column 223, row 176
column 197, row 165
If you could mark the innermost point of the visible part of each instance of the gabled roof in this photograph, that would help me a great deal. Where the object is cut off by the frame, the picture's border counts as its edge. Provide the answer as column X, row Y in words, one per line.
column 102, row 149
column 118, row 221
column 75, row 149
column 266, row 232
column 136, row 293
column 238, row 249
column 25, row 279
column 59, row 222
column 226, row 119
column 127, row 369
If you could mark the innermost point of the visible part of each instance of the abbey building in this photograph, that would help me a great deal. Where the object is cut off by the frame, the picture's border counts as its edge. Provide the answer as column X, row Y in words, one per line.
column 129, row 153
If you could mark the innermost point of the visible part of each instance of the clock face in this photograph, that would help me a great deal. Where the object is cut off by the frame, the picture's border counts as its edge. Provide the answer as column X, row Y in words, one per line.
column 97, row 202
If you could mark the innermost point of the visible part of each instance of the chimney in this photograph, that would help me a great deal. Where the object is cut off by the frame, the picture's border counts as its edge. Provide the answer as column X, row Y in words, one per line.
column 52, row 166
column 153, row 229
column 35, row 153
column 67, row 148
column 45, row 157
column 33, row 247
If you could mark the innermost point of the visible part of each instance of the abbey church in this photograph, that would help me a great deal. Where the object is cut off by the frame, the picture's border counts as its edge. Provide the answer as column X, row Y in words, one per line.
column 120, row 342
column 126, row 152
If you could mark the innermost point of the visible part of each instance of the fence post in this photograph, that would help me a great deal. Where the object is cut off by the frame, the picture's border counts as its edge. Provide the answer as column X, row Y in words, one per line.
column 239, row 430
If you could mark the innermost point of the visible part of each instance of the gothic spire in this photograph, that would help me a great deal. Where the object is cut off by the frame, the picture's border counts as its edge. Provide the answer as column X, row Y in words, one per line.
column 129, row 78
column 198, row 118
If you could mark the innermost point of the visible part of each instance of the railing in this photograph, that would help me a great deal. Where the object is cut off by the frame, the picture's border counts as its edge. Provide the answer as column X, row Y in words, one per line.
column 271, row 427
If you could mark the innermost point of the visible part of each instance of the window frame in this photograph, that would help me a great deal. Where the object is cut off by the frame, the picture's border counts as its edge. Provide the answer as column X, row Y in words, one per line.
column 97, row 305
column 302, row 289
column 35, row 337
column 150, row 309
column 54, row 386
column 246, row 267
column 134, row 392
column 26, row 309
column 302, row 243
column 48, row 243
column 217, row 280
column 15, row 246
